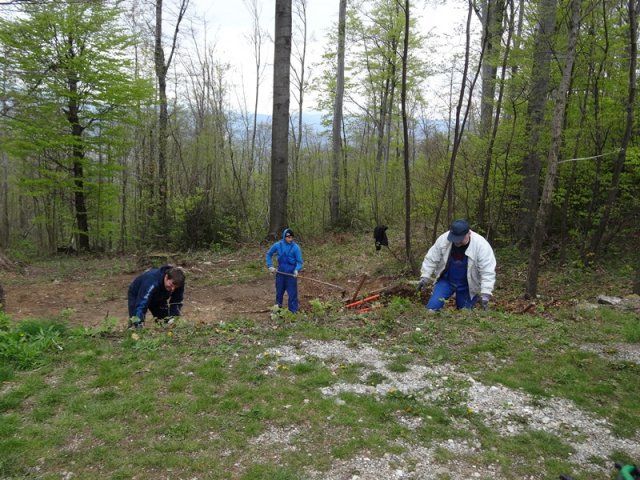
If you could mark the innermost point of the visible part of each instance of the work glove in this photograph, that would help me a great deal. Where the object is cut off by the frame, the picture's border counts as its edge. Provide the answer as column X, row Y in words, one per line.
column 484, row 300
column 272, row 269
column 135, row 322
column 421, row 284
column 295, row 273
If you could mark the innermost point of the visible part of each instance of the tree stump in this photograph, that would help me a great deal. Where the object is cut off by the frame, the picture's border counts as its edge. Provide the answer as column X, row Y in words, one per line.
column 6, row 264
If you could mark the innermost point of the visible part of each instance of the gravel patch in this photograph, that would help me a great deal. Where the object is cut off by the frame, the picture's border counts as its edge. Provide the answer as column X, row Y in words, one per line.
column 282, row 436
column 512, row 412
column 621, row 352
column 509, row 412
column 417, row 463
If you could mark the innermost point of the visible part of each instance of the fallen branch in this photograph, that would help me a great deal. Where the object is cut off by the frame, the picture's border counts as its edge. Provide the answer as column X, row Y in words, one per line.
column 355, row 294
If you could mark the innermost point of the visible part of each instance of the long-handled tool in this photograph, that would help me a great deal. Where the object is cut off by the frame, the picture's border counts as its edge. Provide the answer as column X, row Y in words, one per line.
column 343, row 290
column 625, row 472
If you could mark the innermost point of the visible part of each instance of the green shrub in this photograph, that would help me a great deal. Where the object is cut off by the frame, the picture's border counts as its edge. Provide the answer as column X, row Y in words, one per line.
column 24, row 345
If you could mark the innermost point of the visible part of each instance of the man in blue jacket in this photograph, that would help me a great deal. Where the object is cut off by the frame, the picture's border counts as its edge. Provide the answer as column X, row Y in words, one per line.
column 289, row 264
column 160, row 290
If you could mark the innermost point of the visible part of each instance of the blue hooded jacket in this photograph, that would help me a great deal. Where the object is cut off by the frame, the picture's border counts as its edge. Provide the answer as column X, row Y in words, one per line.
column 289, row 255
column 147, row 291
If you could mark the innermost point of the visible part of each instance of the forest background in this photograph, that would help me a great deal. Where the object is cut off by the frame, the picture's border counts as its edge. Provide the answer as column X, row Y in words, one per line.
column 114, row 136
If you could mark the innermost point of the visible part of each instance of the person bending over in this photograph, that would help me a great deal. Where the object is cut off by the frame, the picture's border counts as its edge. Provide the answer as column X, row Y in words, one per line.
column 160, row 290
column 463, row 263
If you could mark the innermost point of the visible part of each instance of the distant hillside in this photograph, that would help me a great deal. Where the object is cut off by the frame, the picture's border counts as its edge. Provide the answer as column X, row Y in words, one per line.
column 311, row 118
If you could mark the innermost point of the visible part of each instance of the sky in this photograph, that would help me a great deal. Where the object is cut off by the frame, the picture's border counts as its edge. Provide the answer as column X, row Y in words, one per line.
column 229, row 22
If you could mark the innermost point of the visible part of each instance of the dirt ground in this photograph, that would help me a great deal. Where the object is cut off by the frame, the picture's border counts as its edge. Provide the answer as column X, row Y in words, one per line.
column 87, row 298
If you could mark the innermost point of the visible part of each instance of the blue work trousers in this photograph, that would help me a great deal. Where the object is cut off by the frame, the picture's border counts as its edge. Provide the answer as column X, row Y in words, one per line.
column 453, row 280
column 443, row 290
column 290, row 285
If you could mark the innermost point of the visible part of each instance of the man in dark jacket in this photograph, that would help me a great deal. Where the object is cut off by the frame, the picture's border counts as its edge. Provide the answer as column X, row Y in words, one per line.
column 289, row 264
column 160, row 290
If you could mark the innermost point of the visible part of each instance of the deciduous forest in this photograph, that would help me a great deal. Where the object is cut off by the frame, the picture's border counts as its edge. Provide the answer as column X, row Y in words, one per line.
column 114, row 137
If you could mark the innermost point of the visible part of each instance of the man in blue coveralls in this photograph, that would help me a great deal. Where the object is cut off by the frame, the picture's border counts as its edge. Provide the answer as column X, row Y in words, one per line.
column 160, row 290
column 463, row 263
column 289, row 264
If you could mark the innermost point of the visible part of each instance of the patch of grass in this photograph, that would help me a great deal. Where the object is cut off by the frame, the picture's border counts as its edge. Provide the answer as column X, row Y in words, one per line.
column 400, row 364
column 271, row 472
column 212, row 370
column 375, row 378
column 631, row 329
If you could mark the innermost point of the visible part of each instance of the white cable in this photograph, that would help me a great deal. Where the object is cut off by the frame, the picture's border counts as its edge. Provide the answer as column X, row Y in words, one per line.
column 590, row 158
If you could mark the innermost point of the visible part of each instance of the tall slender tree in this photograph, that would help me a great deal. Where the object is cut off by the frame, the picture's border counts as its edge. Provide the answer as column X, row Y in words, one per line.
column 4, row 220
column 492, row 29
column 336, row 131
column 299, row 71
column 256, row 38
column 405, row 140
column 559, row 113
column 483, row 217
column 280, row 126
column 162, row 65
column 612, row 195
column 538, row 96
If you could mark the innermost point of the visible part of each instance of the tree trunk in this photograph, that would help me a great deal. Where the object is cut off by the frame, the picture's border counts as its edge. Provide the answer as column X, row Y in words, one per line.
column 571, row 182
column 483, row 218
column 77, row 150
column 256, row 37
column 460, row 120
column 556, row 140
column 280, row 125
column 300, row 80
column 5, row 235
column 492, row 14
column 336, row 137
column 161, row 68
column 626, row 139
column 5, row 263
column 163, row 119
column 531, row 165
column 405, row 137
column 599, row 135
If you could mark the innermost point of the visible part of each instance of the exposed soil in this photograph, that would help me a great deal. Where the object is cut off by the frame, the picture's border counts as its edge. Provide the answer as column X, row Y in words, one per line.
column 87, row 298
